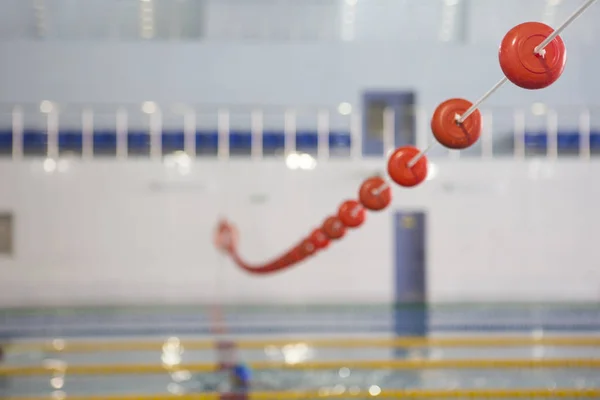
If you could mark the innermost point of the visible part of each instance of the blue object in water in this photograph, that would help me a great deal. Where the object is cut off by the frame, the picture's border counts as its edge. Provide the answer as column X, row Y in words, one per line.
column 242, row 373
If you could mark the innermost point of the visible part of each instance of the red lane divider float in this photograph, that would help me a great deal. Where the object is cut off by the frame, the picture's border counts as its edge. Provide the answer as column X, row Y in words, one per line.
column 532, row 56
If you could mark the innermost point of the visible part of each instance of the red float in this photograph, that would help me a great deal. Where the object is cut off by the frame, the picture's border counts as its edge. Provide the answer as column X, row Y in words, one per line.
column 226, row 237
column 278, row 264
column 293, row 256
column 522, row 66
column 399, row 170
column 288, row 259
column 319, row 239
column 307, row 248
column 333, row 228
column 448, row 131
column 375, row 194
column 351, row 213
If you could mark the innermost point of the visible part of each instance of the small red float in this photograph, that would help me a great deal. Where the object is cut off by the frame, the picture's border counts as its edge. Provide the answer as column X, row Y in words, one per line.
column 448, row 131
column 307, row 247
column 296, row 255
column 351, row 213
column 375, row 194
column 319, row 239
column 333, row 228
column 290, row 258
column 399, row 170
column 522, row 66
column 226, row 237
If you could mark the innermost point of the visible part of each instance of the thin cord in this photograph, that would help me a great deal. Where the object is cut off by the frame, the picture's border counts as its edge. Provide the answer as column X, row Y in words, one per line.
column 539, row 49
column 416, row 158
column 483, row 98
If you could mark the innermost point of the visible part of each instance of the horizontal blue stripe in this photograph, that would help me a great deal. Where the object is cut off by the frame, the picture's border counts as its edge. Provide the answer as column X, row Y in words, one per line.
column 242, row 139
column 174, row 140
column 565, row 139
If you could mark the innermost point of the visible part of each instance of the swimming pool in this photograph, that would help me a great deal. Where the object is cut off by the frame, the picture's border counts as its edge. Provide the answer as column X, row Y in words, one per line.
column 299, row 326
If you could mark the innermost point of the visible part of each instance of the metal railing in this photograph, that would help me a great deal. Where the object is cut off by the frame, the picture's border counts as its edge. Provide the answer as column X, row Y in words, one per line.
column 261, row 132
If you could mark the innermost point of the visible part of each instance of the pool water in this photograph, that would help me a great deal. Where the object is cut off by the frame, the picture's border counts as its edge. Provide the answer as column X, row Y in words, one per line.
column 342, row 379
column 243, row 325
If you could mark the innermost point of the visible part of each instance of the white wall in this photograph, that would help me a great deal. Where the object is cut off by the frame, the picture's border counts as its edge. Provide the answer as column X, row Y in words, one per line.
column 295, row 74
column 392, row 21
column 137, row 232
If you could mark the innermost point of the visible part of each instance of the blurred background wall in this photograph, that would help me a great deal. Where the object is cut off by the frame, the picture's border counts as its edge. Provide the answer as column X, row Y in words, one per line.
column 114, row 232
column 277, row 51
column 138, row 230
column 272, row 74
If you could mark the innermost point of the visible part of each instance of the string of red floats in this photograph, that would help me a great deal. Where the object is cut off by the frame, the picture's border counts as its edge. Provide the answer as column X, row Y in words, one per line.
column 532, row 56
